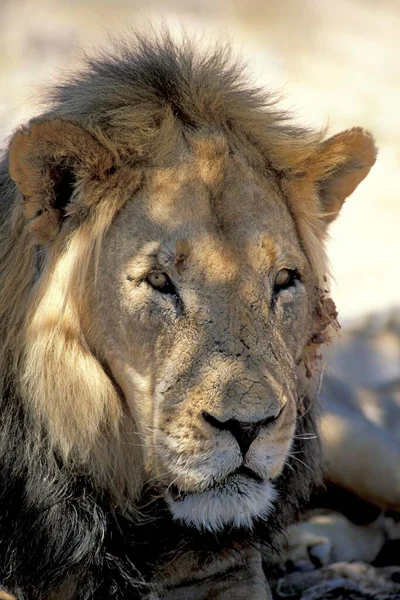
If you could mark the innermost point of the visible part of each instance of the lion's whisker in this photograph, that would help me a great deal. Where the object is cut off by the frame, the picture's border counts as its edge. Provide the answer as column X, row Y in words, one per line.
column 303, row 463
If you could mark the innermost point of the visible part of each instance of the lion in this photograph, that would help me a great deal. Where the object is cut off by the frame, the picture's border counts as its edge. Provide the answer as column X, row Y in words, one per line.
column 164, row 295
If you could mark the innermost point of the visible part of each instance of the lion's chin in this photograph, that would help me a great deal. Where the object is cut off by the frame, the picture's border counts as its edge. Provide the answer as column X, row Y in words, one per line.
column 236, row 502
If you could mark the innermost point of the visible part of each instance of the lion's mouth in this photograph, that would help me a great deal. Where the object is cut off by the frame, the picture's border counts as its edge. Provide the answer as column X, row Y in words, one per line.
column 179, row 495
column 235, row 500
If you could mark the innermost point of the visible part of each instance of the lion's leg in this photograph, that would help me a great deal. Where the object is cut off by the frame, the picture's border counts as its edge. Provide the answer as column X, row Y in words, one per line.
column 244, row 581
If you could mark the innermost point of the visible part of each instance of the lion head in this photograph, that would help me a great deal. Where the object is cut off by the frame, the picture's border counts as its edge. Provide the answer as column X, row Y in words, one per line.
column 164, row 277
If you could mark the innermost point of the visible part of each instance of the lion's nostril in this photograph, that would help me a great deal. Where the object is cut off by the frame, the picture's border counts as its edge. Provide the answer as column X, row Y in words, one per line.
column 244, row 432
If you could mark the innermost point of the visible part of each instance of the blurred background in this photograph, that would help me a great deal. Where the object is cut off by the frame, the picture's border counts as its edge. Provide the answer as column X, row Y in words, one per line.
column 336, row 63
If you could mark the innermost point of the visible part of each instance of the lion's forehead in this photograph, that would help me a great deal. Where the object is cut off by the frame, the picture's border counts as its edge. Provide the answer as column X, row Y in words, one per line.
column 230, row 190
column 220, row 212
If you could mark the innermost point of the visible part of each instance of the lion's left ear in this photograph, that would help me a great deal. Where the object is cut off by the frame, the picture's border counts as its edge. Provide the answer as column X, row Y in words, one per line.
column 48, row 159
column 342, row 162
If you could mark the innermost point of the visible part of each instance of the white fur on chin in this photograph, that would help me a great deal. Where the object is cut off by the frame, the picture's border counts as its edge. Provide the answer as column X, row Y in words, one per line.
column 235, row 503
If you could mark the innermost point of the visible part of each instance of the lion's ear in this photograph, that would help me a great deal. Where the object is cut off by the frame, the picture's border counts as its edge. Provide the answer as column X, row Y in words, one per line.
column 342, row 162
column 48, row 160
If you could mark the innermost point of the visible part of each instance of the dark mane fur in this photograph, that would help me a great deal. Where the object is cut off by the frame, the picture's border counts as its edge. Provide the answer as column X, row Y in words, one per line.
column 128, row 96
column 56, row 526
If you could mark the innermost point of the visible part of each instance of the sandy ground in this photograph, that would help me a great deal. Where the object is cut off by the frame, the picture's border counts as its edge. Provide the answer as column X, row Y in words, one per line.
column 337, row 63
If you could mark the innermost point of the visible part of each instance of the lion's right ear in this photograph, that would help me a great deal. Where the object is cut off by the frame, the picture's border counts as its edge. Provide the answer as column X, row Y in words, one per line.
column 48, row 160
column 340, row 164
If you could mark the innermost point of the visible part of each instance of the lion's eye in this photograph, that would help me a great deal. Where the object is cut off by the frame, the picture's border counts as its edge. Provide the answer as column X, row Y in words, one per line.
column 285, row 279
column 161, row 282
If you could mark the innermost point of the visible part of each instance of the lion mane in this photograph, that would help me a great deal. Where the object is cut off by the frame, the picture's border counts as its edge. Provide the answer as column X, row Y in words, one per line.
column 77, row 518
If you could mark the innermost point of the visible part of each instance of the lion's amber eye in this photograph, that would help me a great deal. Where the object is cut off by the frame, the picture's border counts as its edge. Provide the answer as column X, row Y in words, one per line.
column 157, row 280
column 285, row 279
column 161, row 282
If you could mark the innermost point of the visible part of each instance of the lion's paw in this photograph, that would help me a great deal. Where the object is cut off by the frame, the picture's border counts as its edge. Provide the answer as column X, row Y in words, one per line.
column 306, row 549
column 328, row 538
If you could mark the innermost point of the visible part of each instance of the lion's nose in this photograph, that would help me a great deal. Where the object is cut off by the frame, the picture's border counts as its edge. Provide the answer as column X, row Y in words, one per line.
column 244, row 432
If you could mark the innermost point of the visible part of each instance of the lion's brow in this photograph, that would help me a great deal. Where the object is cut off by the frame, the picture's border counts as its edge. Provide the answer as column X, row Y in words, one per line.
column 182, row 251
column 269, row 247
column 168, row 253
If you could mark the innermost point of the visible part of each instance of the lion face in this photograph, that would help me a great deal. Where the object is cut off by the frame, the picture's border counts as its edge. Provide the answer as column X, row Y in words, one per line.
column 202, row 307
column 163, row 262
